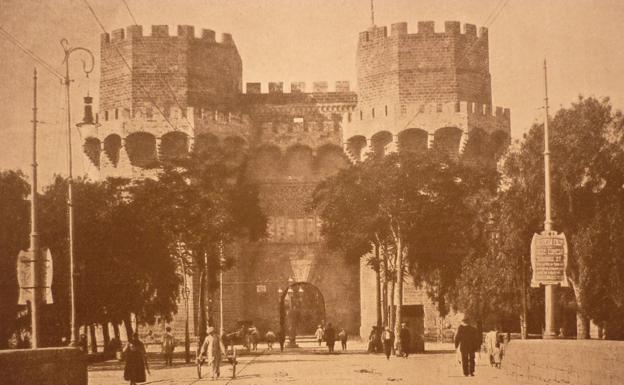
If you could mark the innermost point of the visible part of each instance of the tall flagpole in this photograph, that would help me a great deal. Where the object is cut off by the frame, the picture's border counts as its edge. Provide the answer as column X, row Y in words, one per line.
column 550, row 330
column 372, row 9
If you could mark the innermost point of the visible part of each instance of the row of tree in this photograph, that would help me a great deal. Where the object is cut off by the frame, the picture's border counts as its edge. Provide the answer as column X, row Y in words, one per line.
column 461, row 225
column 133, row 241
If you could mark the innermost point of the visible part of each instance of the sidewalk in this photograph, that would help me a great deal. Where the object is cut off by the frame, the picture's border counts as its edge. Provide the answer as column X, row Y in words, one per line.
column 312, row 365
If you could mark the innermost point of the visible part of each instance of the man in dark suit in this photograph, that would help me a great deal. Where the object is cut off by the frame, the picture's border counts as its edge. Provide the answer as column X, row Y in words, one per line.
column 468, row 340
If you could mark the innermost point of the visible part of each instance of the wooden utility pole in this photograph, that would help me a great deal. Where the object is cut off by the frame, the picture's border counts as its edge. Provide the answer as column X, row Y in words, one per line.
column 37, row 263
column 550, row 303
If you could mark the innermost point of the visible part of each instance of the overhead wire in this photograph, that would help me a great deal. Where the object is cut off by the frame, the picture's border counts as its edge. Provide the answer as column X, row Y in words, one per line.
column 487, row 23
column 123, row 59
column 59, row 138
column 163, row 76
column 130, row 12
column 13, row 40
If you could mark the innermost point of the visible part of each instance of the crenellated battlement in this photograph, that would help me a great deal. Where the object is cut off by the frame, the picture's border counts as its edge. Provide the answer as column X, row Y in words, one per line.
column 181, row 69
column 187, row 32
column 426, row 66
column 172, row 114
column 296, row 87
column 425, row 29
column 463, row 107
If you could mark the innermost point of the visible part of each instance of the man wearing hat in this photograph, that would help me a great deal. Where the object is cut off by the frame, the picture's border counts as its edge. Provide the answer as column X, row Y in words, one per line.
column 468, row 340
column 212, row 349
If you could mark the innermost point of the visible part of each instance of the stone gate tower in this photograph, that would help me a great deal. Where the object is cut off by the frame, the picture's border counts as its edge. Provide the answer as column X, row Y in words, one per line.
column 417, row 91
column 162, row 95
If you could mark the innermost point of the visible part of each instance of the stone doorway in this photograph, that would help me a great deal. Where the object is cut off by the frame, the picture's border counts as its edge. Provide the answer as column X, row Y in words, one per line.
column 301, row 309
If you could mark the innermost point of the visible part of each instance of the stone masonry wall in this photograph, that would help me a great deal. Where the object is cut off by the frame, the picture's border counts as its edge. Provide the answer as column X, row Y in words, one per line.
column 401, row 69
column 167, row 71
column 574, row 362
column 46, row 366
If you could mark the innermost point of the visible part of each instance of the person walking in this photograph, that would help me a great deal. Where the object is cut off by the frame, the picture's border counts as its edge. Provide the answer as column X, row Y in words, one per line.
column 168, row 346
column 254, row 336
column 406, row 339
column 468, row 341
column 281, row 338
column 342, row 336
column 491, row 338
column 113, row 350
column 319, row 334
column 82, row 343
column 270, row 339
column 372, row 340
column 330, row 337
column 499, row 351
column 136, row 362
column 387, row 339
column 212, row 350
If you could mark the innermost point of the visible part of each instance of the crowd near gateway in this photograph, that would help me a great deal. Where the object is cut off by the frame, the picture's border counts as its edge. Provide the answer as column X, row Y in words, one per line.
column 394, row 215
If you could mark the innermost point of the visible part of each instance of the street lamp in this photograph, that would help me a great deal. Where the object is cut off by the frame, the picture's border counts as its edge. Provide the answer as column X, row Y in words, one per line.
column 66, row 81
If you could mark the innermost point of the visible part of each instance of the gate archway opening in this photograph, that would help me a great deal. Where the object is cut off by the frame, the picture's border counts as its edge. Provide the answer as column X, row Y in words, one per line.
column 301, row 309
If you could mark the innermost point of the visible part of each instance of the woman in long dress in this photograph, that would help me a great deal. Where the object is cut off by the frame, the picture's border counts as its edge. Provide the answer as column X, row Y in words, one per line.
column 136, row 363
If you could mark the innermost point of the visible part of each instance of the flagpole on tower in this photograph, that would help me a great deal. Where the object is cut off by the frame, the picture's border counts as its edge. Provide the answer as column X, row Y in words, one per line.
column 372, row 8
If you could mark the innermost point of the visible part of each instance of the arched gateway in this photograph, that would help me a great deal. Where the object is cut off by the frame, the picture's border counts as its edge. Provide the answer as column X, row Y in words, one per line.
column 301, row 309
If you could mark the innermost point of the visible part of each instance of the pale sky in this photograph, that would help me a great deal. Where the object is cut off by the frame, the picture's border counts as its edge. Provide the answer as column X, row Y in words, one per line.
column 288, row 40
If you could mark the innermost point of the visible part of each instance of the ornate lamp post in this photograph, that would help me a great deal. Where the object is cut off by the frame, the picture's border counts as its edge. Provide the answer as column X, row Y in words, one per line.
column 67, row 81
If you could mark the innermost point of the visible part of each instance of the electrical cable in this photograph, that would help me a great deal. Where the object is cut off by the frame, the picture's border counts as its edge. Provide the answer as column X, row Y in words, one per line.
column 163, row 76
column 487, row 23
column 130, row 12
column 139, row 83
column 12, row 39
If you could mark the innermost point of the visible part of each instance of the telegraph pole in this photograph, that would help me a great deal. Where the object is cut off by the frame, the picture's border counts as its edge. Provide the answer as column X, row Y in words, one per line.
column 70, row 202
column 550, row 330
column 34, row 249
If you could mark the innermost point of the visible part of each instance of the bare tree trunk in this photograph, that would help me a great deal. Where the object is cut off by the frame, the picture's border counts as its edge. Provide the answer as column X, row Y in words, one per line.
column 378, row 284
column 201, row 317
column 391, row 305
column 582, row 321
column 93, row 338
column 399, row 316
column 384, row 287
column 105, row 334
column 128, row 325
column 524, row 334
column 582, row 326
column 116, row 331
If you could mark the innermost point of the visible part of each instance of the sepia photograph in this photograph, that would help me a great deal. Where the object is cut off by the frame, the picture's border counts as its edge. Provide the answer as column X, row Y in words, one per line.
column 306, row 192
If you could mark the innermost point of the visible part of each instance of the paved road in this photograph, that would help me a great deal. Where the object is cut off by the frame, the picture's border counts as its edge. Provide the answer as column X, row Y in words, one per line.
column 315, row 366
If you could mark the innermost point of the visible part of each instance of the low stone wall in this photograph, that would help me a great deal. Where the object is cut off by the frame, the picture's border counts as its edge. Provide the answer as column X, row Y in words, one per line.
column 574, row 362
column 46, row 366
